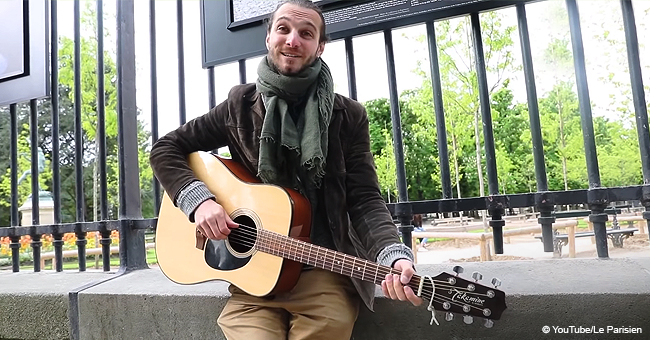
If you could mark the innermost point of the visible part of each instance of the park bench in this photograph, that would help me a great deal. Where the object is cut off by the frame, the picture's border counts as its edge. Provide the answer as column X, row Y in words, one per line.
column 617, row 236
column 451, row 220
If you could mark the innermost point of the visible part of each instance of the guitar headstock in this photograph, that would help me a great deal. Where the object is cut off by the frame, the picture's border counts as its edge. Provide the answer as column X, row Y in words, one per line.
column 469, row 298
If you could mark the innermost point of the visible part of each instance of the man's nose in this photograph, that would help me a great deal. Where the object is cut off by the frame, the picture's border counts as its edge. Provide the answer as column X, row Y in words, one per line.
column 293, row 39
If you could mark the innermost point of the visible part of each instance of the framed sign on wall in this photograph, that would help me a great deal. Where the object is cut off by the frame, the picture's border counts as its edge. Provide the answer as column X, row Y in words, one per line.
column 24, row 51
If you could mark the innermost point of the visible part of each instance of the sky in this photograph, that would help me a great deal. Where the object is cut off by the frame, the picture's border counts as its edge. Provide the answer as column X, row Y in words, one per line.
column 597, row 16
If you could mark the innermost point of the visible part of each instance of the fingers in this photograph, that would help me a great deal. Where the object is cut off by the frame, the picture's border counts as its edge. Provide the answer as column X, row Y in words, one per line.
column 213, row 220
column 395, row 286
column 411, row 297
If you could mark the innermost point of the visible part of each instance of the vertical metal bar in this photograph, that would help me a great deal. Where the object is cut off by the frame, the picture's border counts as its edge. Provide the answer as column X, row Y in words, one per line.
column 132, row 246
column 101, row 112
column 154, row 96
column 443, row 153
column 15, row 253
column 78, row 135
column 242, row 71
column 101, row 126
column 181, row 63
column 13, row 127
column 56, row 176
column 33, row 134
column 638, row 96
column 488, row 136
column 402, row 208
column 105, row 241
column 15, row 240
column 597, row 201
column 212, row 97
column 81, row 247
column 636, row 80
column 583, row 95
column 544, row 205
column 486, row 113
column 78, row 139
column 352, row 74
column 33, row 141
column 531, row 93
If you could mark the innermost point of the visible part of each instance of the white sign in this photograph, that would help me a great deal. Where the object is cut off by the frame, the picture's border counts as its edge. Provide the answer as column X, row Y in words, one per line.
column 12, row 38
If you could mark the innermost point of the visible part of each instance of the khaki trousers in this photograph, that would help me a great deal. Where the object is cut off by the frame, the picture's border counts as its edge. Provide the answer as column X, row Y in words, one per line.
column 322, row 305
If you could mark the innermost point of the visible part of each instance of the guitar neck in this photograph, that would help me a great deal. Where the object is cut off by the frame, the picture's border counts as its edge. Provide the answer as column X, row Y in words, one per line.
column 324, row 258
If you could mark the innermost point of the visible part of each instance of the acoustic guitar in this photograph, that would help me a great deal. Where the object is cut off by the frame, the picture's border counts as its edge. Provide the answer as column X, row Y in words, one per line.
column 264, row 255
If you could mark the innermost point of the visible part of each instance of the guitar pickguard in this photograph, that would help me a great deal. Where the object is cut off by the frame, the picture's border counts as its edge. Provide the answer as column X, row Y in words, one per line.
column 218, row 256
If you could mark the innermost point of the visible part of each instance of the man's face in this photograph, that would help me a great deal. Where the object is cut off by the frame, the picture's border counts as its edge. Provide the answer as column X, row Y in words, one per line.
column 293, row 41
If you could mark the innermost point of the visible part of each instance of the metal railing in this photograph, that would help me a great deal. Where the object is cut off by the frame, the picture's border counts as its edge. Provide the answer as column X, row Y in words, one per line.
column 131, row 225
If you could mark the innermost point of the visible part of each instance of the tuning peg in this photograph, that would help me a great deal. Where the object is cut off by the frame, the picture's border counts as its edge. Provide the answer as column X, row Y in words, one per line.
column 458, row 270
column 477, row 276
column 468, row 319
column 449, row 316
column 496, row 282
column 488, row 323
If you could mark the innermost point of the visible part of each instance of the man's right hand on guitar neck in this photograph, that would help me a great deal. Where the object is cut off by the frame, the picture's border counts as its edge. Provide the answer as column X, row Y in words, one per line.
column 212, row 220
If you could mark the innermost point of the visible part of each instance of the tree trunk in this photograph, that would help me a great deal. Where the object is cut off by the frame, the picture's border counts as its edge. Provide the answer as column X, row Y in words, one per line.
column 456, row 168
column 479, row 167
column 562, row 141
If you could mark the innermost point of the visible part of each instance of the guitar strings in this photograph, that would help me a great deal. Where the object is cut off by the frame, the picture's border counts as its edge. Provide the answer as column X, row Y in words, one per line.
column 247, row 241
column 249, row 234
column 432, row 296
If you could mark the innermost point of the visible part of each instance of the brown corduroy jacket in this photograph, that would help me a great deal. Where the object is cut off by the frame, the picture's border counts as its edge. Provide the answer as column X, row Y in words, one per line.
column 356, row 213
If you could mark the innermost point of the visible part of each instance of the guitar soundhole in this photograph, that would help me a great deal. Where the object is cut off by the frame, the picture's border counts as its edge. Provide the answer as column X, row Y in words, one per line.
column 242, row 239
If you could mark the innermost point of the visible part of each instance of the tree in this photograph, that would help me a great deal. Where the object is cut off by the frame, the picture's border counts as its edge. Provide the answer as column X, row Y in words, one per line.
column 460, row 90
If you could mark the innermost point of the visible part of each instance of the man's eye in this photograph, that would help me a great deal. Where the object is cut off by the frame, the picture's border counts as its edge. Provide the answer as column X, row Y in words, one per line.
column 308, row 34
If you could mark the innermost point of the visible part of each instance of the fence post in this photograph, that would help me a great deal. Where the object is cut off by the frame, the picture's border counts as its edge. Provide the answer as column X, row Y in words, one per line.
column 132, row 247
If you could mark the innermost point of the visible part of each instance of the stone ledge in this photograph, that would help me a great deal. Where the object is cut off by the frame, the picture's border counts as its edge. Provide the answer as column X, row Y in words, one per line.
column 35, row 305
column 146, row 305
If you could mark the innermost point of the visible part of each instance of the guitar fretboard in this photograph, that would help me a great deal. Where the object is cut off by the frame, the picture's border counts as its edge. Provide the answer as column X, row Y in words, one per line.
column 324, row 258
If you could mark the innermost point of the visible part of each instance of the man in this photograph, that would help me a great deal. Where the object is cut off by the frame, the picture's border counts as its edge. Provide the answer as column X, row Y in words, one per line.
column 292, row 130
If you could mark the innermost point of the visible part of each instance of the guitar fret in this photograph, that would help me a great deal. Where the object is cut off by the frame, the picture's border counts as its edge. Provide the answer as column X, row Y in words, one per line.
column 309, row 256
column 376, row 272
column 302, row 251
column 363, row 273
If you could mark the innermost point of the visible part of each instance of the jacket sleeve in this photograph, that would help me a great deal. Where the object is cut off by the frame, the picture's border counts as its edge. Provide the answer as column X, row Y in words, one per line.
column 169, row 154
column 369, row 215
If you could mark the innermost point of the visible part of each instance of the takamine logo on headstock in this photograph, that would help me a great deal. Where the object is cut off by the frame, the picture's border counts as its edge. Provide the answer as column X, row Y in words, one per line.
column 453, row 294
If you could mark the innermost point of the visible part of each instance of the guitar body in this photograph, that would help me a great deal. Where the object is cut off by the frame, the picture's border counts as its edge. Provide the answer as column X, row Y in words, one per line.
column 186, row 257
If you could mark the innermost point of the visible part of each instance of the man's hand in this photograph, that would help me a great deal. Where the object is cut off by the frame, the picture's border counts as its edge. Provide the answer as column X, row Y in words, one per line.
column 394, row 287
column 213, row 221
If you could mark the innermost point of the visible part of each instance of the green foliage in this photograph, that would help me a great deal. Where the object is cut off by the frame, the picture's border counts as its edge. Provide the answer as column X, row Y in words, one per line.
column 564, row 154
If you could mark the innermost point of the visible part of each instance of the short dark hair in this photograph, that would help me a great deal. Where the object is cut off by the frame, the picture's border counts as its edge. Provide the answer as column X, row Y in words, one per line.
column 307, row 4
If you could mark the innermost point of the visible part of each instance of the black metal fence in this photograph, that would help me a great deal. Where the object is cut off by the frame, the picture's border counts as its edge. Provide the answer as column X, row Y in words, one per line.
column 132, row 226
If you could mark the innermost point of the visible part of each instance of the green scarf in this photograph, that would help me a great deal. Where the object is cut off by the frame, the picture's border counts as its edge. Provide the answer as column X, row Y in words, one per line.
column 289, row 150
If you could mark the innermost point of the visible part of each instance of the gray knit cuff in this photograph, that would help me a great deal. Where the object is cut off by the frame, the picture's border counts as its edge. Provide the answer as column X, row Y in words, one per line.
column 394, row 252
column 191, row 197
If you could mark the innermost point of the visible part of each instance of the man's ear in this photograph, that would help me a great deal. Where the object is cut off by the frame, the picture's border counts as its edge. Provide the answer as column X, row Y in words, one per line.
column 321, row 49
column 267, row 42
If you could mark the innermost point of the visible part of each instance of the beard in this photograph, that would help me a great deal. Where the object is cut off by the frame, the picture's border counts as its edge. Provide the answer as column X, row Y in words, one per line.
column 273, row 64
